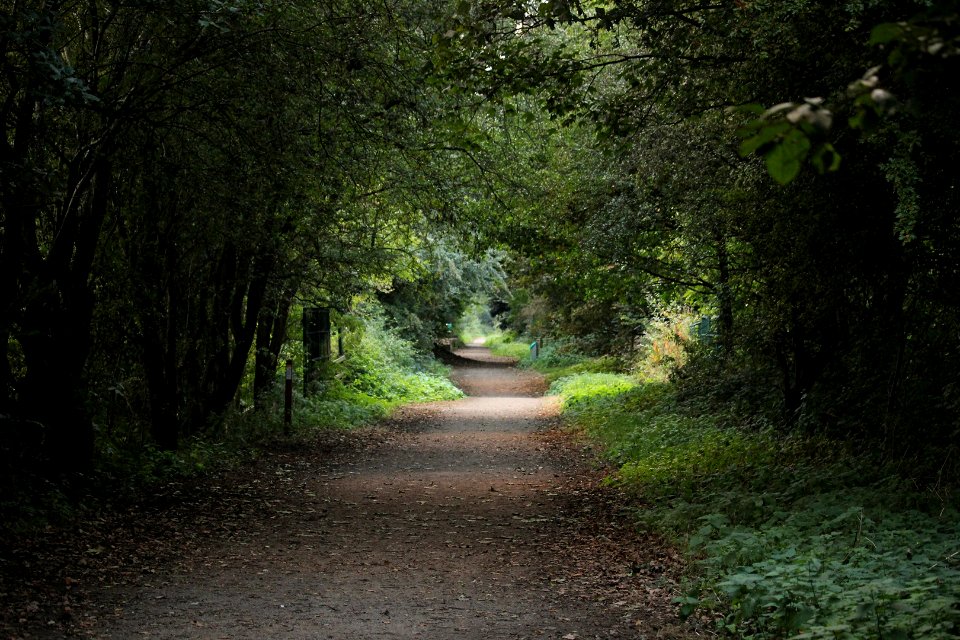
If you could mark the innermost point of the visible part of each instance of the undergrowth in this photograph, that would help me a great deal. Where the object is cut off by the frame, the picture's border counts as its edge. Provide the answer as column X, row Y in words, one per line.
column 789, row 536
column 556, row 359
column 509, row 345
column 380, row 371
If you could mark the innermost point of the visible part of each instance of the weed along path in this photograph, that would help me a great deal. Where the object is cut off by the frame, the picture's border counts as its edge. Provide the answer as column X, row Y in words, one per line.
column 467, row 519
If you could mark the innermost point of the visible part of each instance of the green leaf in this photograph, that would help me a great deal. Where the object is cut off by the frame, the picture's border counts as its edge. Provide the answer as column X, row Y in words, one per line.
column 750, row 109
column 688, row 605
column 785, row 159
column 797, row 619
column 886, row 32
column 765, row 136
column 825, row 158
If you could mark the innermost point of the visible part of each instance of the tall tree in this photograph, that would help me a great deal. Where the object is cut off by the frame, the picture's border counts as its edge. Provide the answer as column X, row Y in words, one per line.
column 817, row 283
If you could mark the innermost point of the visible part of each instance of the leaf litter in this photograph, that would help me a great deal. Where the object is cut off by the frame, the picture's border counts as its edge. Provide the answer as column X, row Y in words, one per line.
column 465, row 519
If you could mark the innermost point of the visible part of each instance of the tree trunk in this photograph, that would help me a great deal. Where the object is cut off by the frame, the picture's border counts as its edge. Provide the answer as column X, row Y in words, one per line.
column 160, row 363
column 243, row 331
column 58, row 312
column 271, row 334
column 55, row 351
column 724, row 297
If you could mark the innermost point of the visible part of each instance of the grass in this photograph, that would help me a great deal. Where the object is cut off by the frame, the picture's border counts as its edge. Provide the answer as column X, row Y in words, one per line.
column 787, row 536
column 557, row 359
column 508, row 345
column 381, row 371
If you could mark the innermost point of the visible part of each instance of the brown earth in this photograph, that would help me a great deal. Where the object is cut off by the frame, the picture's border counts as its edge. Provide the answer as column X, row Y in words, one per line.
column 476, row 518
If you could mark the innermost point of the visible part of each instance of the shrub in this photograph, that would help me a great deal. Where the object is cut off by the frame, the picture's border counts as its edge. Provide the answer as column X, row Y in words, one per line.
column 787, row 536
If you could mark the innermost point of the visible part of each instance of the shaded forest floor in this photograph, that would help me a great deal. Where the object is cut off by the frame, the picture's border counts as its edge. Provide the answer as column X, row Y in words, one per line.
column 476, row 518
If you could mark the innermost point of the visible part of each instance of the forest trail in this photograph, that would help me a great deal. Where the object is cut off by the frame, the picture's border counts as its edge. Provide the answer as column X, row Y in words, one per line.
column 467, row 519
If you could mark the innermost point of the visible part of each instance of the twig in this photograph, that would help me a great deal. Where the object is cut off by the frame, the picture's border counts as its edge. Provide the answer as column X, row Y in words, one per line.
column 856, row 540
column 946, row 559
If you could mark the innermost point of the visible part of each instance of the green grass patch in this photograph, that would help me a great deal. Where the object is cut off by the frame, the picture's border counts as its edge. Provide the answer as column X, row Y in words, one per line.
column 560, row 358
column 509, row 345
column 380, row 372
column 788, row 537
column 557, row 359
column 589, row 393
column 552, row 373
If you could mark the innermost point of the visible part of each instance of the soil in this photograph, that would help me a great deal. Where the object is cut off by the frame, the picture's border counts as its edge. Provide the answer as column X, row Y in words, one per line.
column 475, row 518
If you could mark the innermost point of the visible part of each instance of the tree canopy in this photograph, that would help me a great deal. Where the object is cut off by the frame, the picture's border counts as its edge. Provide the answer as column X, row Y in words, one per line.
column 782, row 167
column 179, row 177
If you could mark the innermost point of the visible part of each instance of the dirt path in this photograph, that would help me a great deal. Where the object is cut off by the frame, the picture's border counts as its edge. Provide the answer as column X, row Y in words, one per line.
column 460, row 519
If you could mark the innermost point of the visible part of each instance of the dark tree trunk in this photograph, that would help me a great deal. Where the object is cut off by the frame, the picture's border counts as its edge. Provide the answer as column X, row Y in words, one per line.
column 803, row 354
column 247, row 304
column 271, row 334
column 724, row 297
column 160, row 363
column 58, row 312
column 52, row 392
column 19, row 197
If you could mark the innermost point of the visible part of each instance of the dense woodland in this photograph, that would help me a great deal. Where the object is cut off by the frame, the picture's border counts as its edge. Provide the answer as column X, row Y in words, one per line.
column 177, row 176
column 178, row 179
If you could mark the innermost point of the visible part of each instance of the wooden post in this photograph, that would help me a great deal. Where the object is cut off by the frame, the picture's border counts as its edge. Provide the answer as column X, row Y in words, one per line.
column 288, row 398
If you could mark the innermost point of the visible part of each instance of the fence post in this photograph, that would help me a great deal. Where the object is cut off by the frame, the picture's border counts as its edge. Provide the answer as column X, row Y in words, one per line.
column 288, row 398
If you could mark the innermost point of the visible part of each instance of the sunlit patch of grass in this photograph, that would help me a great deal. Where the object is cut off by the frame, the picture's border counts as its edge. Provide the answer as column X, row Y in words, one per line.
column 508, row 345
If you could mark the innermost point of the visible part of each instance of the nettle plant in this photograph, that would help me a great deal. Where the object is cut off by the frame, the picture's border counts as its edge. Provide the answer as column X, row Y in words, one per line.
column 818, row 568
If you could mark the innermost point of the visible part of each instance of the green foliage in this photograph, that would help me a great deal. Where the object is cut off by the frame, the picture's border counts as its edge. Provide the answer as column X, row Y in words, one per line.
column 475, row 322
column 790, row 537
column 338, row 407
column 197, row 219
column 588, row 392
column 827, row 567
column 509, row 345
column 131, row 472
column 381, row 370
column 559, row 352
column 666, row 342
column 553, row 372
column 787, row 135
column 442, row 283
column 559, row 358
column 825, row 284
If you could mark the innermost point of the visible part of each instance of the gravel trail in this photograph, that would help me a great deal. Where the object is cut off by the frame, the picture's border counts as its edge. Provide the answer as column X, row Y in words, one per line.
column 460, row 520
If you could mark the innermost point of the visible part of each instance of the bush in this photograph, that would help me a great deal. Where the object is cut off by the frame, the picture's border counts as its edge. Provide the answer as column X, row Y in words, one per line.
column 509, row 345
column 383, row 366
column 586, row 391
column 788, row 536
column 560, row 353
